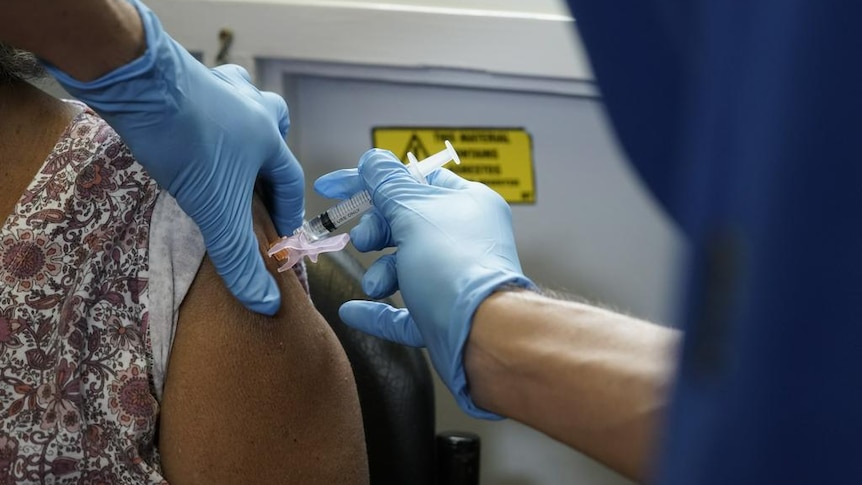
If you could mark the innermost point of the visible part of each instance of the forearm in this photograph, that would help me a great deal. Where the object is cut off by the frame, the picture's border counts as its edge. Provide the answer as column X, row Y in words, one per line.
column 590, row 378
column 84, row 38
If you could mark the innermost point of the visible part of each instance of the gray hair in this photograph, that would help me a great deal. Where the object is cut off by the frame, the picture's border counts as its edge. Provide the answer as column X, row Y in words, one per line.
column 18, row 64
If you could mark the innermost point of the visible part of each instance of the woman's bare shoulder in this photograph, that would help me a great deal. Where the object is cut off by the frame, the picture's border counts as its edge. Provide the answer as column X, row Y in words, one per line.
column 258, row 399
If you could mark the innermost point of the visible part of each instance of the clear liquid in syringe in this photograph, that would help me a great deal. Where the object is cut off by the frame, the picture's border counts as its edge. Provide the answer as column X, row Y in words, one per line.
column 336, row 216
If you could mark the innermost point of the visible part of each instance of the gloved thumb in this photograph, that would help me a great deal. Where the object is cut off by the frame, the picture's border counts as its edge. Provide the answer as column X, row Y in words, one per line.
column 340, row 184
column 444, row 177
column 379, row 168
column 381, row 320
column 236, row 257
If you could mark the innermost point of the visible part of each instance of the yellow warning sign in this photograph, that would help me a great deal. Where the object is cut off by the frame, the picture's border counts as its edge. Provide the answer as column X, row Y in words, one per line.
column 501, row 158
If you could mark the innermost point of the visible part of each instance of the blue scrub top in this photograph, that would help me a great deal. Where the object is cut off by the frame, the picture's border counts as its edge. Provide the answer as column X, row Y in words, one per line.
column 743, row 118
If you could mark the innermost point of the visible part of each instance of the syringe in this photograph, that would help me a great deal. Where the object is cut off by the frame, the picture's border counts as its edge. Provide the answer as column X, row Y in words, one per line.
column 346, row 210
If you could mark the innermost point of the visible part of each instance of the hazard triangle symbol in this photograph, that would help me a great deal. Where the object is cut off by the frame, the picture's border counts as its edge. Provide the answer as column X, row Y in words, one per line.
column 415, row 145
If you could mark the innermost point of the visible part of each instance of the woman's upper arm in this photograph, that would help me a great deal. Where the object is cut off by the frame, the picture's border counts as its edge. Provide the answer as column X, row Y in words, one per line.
column 256, row 399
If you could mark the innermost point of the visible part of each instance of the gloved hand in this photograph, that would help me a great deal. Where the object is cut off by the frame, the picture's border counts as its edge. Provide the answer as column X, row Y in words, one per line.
column 205, row 135
column 454, row 248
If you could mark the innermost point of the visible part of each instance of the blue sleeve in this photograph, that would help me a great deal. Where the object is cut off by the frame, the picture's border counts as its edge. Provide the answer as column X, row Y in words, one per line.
column 752, row 113
column 635, row 50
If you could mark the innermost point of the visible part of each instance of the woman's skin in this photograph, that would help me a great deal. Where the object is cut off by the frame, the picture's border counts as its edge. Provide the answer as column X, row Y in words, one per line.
column 256, row 399
column 30, row 124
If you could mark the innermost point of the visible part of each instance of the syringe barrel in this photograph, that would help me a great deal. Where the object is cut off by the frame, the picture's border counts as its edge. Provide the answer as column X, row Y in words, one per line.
column 338, row 215
column 327, row 222
column 313, row 229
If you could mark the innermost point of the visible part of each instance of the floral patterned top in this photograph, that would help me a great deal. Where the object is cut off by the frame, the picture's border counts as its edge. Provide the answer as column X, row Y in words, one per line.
column 75, row 390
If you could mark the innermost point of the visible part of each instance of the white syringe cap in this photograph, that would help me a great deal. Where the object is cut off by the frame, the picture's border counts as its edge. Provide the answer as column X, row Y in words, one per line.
column 421, row 168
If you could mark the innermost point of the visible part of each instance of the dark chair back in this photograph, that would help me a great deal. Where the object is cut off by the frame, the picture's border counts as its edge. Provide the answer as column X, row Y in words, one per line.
column 394, row 381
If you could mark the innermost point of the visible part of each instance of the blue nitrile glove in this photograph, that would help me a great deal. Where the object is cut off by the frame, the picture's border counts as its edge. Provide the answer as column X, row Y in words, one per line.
column 205, row 135
column 454, row 248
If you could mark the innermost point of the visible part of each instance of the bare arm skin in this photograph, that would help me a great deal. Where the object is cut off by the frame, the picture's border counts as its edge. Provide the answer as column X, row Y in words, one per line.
column 253, row 399
column 591, row 378
column 84, row 38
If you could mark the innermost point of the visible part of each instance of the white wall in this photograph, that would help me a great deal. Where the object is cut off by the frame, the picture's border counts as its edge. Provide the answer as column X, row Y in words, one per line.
column 551, row 7
column 379, row 34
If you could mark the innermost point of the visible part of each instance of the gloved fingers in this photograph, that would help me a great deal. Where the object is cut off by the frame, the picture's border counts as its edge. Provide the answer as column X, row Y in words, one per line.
column 285, row 188
column 277, row 107
column 372, row 233
column 443, row 177
column 381, row 278
column 233, row 249
column 340, row 184
column 382, row 320
column 380, row 169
